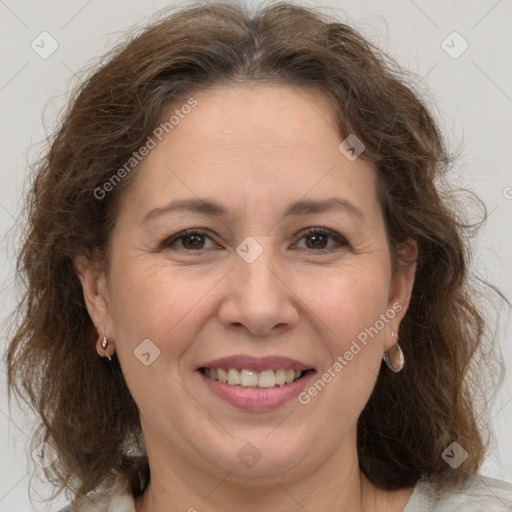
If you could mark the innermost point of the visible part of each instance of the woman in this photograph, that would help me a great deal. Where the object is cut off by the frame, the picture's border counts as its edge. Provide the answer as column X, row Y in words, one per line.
column 245, row 289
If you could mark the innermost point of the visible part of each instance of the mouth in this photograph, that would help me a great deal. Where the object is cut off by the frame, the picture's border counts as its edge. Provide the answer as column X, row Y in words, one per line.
column 251, row 379
column 255, row 384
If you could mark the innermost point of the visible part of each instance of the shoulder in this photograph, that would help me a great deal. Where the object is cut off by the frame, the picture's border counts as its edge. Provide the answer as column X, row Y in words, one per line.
column 117, row 499
column 479, row 493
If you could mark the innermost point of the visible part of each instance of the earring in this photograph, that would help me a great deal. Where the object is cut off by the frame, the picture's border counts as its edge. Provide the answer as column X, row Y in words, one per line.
column 104, row 344
column 401, row 358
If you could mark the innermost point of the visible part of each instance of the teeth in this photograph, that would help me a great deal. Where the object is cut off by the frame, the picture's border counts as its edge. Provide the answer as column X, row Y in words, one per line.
column 280, row 377
column 251, row 378
column 267, row 379
column 222, row 375
column 247, row 377
column 234, row 377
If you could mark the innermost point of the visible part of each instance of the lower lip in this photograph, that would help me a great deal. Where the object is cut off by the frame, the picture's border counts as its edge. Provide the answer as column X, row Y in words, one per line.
column 256, row 399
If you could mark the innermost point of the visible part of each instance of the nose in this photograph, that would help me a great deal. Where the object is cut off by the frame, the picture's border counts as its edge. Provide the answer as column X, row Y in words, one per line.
column 259, row 297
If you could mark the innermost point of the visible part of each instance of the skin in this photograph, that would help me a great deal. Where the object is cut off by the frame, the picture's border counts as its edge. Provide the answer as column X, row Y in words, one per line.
column 254, row 149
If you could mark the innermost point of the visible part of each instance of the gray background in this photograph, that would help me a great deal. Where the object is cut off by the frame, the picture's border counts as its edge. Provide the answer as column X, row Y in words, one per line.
column 473, row 93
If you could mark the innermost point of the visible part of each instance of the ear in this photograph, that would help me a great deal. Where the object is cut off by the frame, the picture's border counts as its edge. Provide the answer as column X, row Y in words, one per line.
column 401, row 288
column 94, row 285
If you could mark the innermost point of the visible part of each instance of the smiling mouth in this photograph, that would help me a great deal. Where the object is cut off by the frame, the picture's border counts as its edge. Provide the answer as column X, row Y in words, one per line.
column 251, row 379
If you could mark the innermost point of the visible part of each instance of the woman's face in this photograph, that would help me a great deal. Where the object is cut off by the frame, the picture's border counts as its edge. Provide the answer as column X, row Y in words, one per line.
column 252, row 279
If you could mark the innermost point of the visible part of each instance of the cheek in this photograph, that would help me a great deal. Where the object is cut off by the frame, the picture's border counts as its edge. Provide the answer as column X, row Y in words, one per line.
column 348, row 301
column 156, row 302
column 162, row 305
column 348, row 312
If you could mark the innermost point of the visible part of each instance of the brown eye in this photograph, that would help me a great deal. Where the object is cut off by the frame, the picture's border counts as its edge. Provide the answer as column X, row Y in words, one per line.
column 188, row 240
column 193, row 241
column 318, row 240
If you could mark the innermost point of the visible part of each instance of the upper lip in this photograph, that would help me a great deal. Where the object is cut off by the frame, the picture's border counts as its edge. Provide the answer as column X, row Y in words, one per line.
column 258, row 364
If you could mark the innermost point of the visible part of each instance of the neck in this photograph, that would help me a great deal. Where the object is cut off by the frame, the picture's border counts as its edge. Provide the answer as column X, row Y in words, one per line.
column 340, row 487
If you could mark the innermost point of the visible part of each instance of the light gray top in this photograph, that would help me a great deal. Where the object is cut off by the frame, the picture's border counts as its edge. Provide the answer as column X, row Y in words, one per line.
column 479, row 494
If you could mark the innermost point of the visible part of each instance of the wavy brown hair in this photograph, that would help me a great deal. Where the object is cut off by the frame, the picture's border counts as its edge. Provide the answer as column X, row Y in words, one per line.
column 86, row 410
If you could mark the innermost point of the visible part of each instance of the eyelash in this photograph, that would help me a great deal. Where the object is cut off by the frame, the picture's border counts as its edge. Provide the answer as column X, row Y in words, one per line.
column 340, row 240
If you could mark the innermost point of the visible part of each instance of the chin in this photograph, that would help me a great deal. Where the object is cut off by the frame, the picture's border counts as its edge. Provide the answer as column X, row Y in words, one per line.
column 259, row 457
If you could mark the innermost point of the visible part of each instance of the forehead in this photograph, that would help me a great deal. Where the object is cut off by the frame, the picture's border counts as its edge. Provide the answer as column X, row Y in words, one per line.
column 256, row 144
column 260, row 118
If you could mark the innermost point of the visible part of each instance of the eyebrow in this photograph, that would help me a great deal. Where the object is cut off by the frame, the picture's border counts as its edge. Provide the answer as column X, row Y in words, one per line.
column 213, row 209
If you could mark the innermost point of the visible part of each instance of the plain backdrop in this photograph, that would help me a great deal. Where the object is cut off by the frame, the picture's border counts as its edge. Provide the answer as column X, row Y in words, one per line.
column 472, row 91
